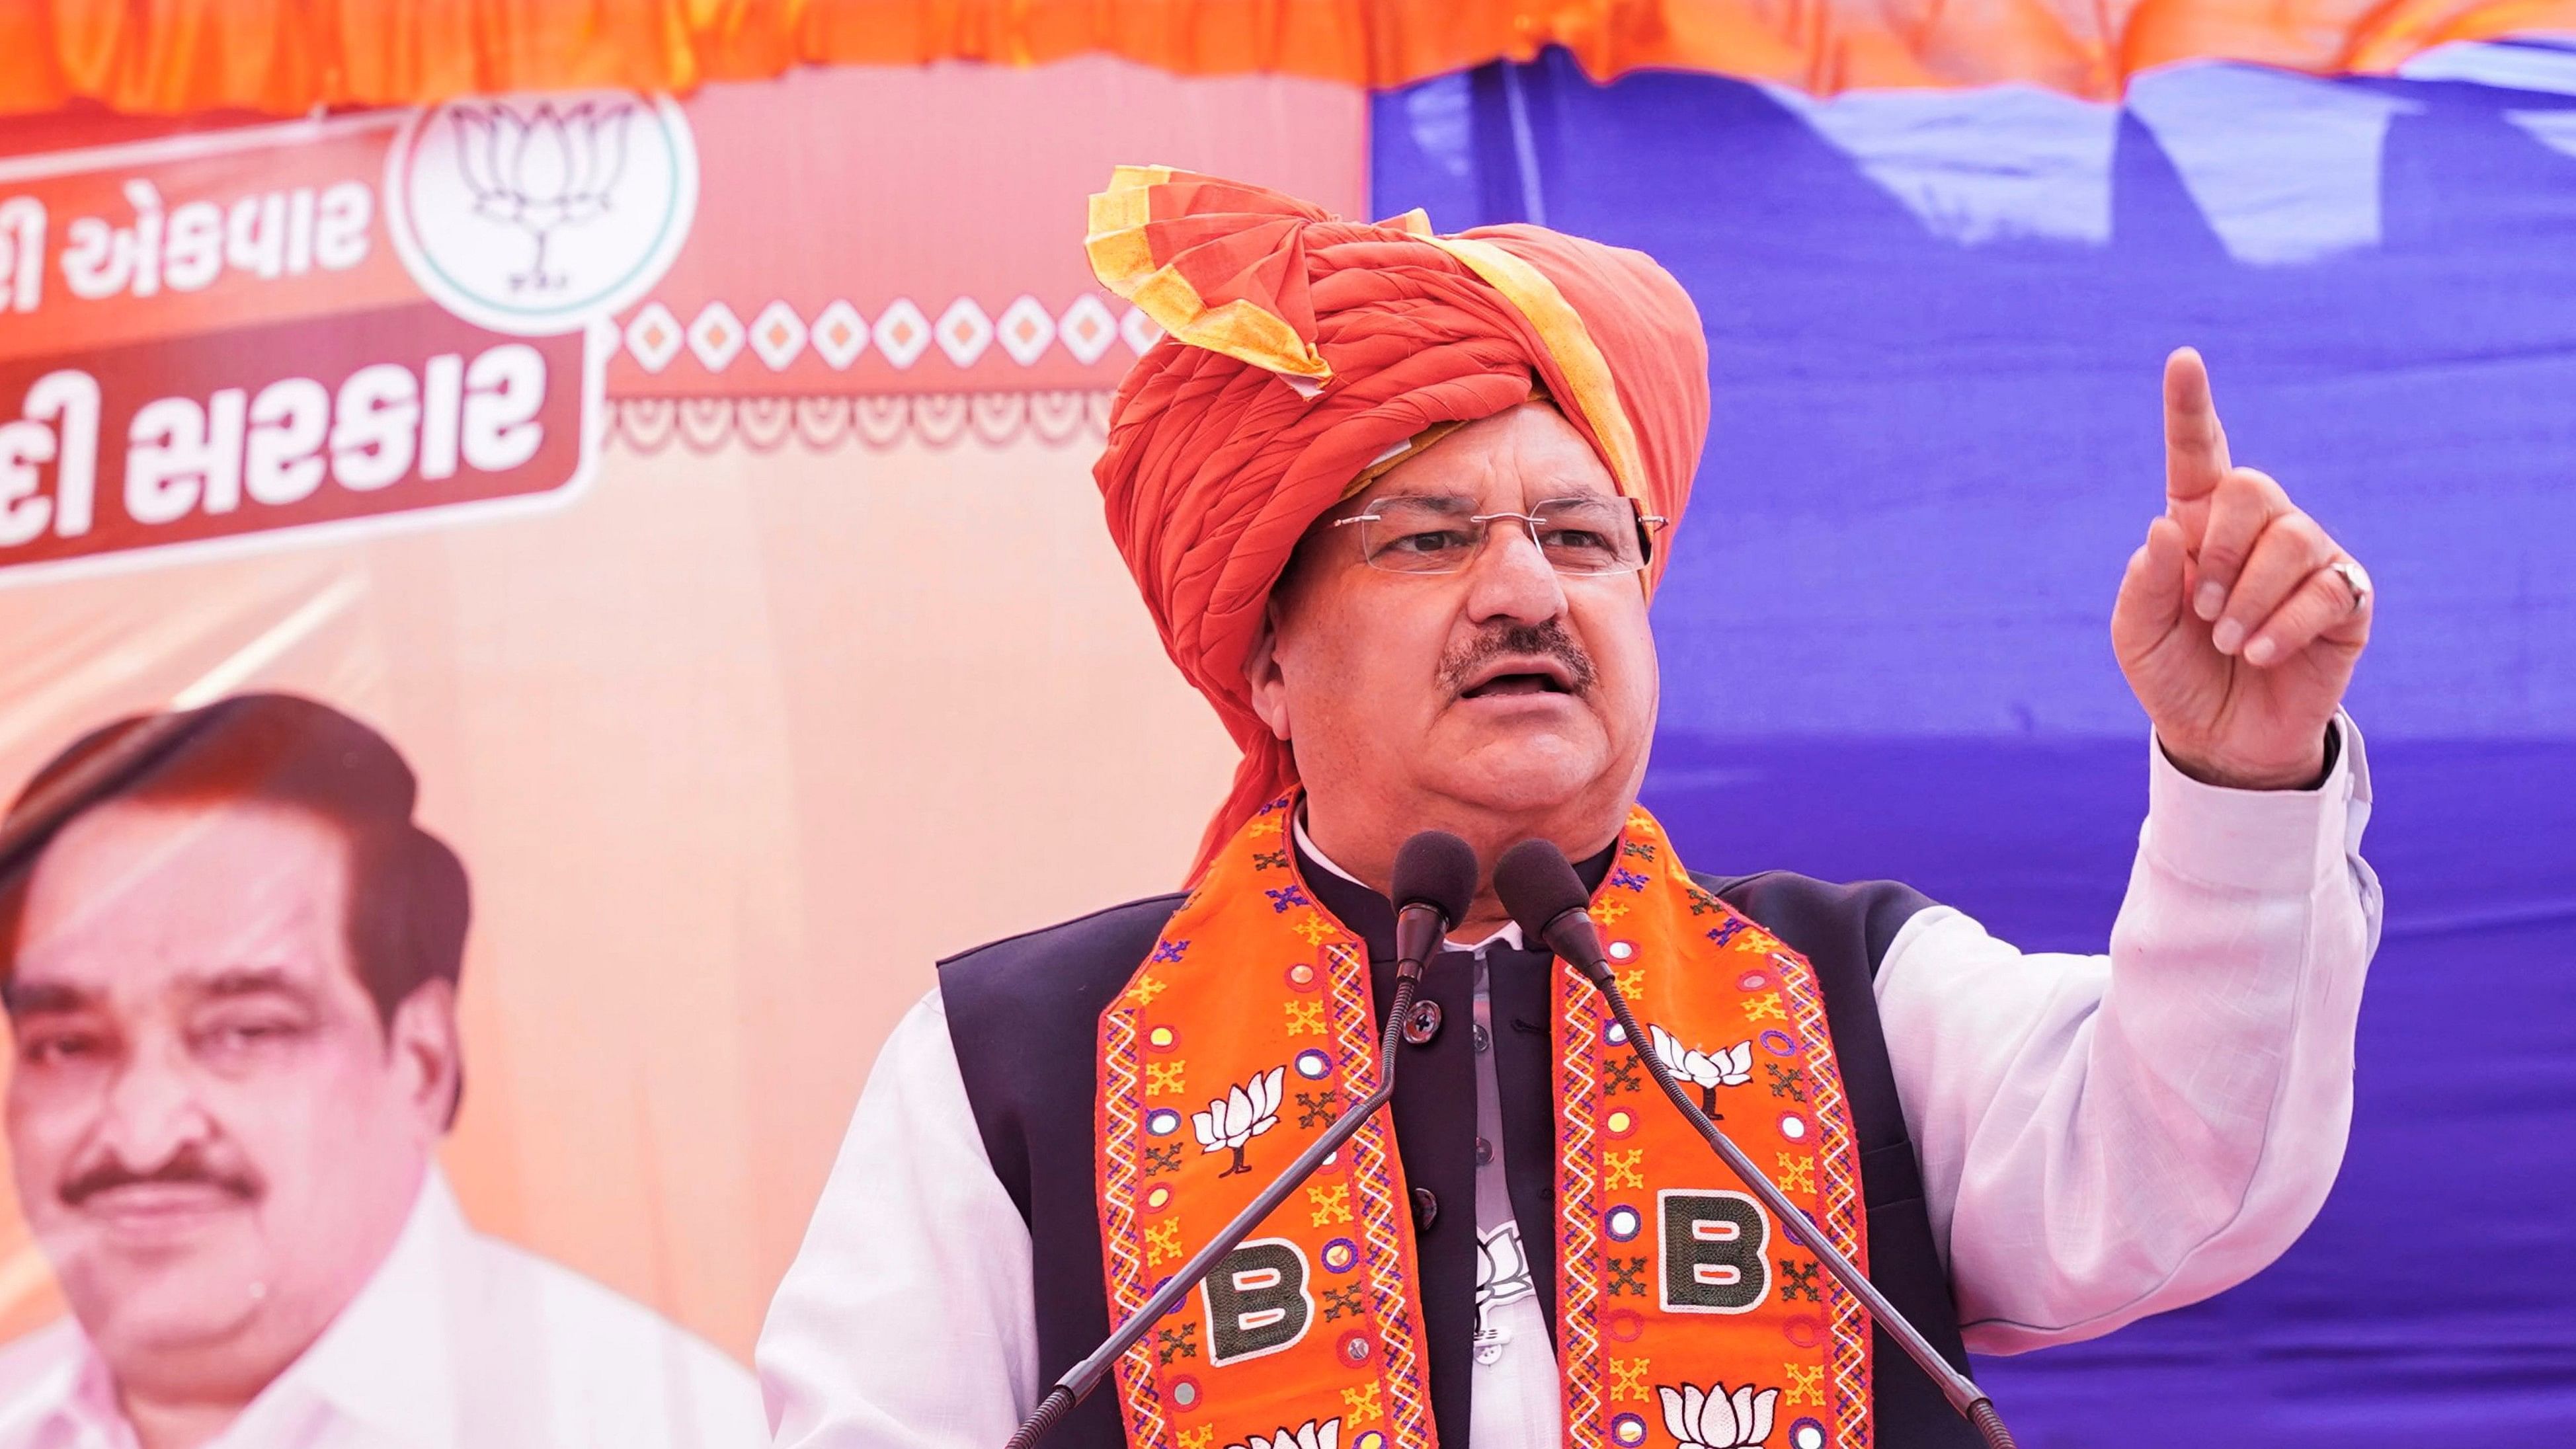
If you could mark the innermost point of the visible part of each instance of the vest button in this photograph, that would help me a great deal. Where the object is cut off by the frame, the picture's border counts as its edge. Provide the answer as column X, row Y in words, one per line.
column 1426, row 1209
column 1423, row 1024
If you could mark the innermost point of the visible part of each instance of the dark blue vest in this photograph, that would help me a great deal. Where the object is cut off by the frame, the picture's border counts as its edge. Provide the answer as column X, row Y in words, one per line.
column 1023, row 1015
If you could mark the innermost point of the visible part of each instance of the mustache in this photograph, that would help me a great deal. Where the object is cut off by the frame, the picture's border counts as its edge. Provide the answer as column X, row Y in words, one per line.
column 1550, row 640
column 188, row 1167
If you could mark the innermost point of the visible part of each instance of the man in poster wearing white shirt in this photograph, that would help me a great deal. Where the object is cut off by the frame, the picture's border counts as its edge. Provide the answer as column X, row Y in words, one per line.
column 231, row 964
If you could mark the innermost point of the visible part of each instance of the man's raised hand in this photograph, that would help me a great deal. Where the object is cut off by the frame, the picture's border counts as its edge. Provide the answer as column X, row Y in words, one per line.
column 2239, row 619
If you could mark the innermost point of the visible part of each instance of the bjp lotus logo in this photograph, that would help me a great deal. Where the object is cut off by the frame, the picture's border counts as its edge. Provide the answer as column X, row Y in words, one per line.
column 1247, row 1110
column 544, row 170
column 540, row 214
column 1716, row 1419
column 1708, row 1071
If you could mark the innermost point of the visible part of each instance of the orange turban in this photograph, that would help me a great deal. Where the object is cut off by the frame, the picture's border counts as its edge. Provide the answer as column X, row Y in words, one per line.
column 1302, row 349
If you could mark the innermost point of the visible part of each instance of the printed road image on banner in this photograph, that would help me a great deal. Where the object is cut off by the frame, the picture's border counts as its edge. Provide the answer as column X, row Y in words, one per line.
column 505, row 606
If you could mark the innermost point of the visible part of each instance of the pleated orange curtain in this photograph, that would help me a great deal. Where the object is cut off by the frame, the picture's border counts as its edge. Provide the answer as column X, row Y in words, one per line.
column 166, row 57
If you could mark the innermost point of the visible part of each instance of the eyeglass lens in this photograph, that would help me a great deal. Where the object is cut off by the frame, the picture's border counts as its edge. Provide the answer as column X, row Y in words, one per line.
column 1438, row 535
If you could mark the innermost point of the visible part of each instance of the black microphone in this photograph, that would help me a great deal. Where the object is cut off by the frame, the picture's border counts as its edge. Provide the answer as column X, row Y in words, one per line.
column 1539, row 887
column 1435, row 883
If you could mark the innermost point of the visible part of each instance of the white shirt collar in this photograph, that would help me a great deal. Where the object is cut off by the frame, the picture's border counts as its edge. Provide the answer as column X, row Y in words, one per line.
column 1509, row 934
column 383, row 1361
column 386, row 1360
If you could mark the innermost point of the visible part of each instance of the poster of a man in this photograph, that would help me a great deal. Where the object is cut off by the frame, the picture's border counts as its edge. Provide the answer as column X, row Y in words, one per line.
column 231, row 959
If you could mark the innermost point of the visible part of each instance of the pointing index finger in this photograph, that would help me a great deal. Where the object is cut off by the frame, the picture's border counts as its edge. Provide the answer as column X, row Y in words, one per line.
column 2195, row 444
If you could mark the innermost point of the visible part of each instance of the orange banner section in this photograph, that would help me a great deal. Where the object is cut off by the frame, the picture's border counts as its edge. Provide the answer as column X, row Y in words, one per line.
column 213, row 340
column 319, row 327
column 115, row 244
column 914, row 230
column 171, row 57
column 239, row 434
column 695, row 498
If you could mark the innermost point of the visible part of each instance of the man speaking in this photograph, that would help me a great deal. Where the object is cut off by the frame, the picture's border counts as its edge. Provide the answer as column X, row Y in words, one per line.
column 1398, row 503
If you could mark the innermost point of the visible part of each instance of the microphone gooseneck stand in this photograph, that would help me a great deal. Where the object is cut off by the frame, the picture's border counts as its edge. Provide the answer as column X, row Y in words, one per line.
column 1435, row 881
column 1539, row 887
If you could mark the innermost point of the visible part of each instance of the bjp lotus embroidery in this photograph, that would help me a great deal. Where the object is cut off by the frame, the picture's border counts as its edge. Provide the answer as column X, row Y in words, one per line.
column 1708, row 1071
column 1309, row 1435
column 1247, row 1110
column 1716, row 1419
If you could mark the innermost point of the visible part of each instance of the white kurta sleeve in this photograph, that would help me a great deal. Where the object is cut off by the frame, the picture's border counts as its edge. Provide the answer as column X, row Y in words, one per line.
column 2106, row 1137
column 907, row 1320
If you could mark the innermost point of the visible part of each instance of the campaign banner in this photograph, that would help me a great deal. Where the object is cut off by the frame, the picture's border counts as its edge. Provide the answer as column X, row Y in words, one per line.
column 213, row 341
column 556, row 562
column 235, row 436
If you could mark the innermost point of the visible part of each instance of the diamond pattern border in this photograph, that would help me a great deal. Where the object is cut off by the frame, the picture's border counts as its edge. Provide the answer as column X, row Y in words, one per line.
column 654, row 336
column 1025, row 331
column 777, row 335
column 840, row 335
column 716, row 336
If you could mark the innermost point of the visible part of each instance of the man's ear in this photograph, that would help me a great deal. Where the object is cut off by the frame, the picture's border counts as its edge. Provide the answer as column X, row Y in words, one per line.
column 426, row 1051
column 1262, row 675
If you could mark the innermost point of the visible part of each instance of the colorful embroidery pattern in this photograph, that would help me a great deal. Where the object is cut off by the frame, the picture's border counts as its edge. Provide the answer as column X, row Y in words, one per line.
column 1312, row 1322
column 1582, row 1026
column 1840, row 1212
column 1120, row 1129
column 1312, row 1328
column 1663, row 1258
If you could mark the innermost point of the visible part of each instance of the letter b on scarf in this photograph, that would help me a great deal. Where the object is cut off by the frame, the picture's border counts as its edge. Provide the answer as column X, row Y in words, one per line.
column 1713, row 1246
column 1256, row 1300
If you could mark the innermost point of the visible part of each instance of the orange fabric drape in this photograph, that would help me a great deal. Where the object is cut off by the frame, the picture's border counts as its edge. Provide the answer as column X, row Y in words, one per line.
column 167, row 57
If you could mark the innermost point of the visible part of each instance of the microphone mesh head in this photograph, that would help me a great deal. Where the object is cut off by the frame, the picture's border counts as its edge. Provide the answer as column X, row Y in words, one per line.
column 1537, row 884
column 1436, row 869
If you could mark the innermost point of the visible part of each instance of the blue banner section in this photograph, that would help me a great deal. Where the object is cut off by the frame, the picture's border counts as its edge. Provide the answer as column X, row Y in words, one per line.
column 1935, row 325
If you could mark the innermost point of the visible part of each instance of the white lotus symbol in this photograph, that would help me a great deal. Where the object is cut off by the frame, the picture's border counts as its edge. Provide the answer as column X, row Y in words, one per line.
column 1714, row 1421
column 1502, row 1276
column 538, row 172
column 1503, row 1266
column 1309, row 1435
column 1730, row 1067
column 1243, row 1113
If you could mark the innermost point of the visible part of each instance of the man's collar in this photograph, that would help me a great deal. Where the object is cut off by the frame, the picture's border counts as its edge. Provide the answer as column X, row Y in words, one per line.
column 65, row 1382
column 387, row 1360
column 382, row 1360
column 1369, row 914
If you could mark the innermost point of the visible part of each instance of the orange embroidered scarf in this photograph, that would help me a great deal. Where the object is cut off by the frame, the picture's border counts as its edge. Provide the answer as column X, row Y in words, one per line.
column 1684, row 1314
